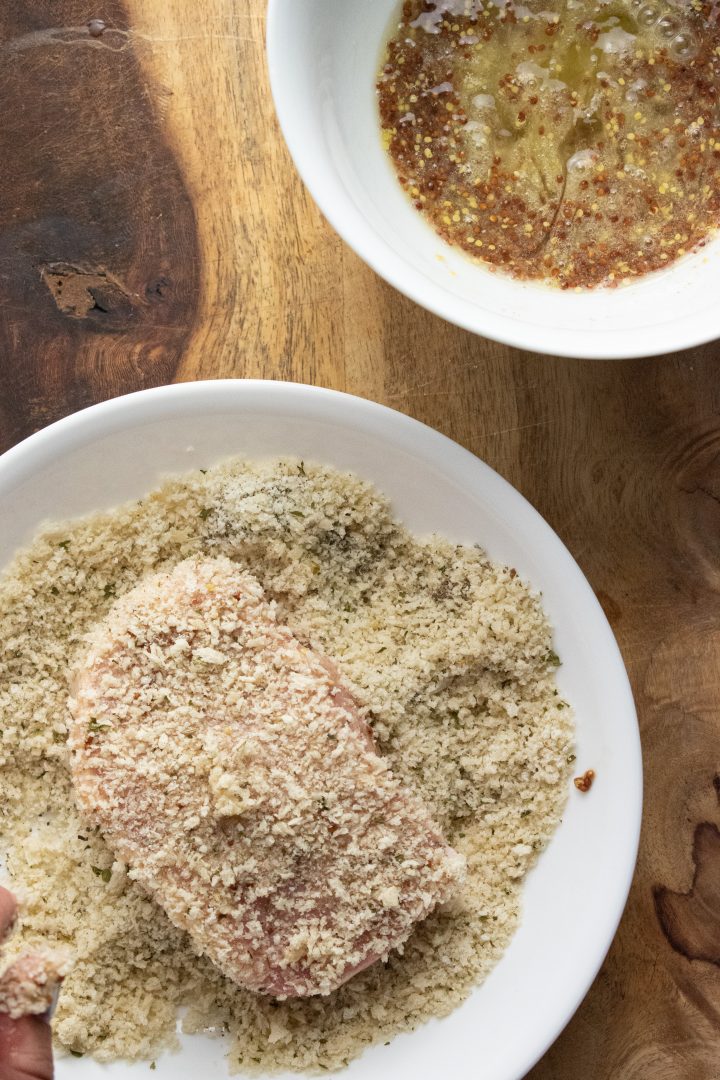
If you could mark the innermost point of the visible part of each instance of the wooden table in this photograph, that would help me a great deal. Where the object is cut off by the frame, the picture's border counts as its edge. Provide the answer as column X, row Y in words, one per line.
column 153, row 229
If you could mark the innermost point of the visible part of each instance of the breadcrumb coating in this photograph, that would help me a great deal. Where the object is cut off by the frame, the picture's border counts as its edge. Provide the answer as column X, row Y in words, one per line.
column 28, row 987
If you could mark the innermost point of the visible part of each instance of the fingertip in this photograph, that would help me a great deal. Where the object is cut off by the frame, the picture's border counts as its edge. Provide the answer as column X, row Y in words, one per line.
column 25, row 1048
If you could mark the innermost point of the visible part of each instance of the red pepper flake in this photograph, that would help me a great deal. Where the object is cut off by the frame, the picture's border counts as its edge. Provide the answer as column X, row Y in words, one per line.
column 584, row 783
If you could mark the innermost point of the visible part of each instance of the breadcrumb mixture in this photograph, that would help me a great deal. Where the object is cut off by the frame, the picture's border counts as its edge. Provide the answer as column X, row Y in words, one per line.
column 451, row 658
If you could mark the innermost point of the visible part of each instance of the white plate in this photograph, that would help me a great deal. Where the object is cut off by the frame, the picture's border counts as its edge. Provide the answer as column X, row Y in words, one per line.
column 324, row 57
column 575, row 896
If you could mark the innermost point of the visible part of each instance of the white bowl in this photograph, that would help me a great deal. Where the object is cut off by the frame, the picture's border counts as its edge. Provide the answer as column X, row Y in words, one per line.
column 324, row 57
column 574, row 897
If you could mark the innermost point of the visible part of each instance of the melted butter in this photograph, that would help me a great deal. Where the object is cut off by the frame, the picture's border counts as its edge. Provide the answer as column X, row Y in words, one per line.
column 586, row 128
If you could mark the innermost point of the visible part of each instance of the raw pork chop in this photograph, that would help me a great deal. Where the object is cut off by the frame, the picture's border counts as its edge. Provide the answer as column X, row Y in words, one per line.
column 227, row 766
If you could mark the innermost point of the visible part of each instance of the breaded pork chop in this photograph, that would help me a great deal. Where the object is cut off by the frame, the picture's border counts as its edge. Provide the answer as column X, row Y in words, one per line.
column 227, row 766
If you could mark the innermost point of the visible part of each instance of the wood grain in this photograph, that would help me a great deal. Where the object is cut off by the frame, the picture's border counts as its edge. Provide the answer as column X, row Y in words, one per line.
column 176, row 133
column 98, row 251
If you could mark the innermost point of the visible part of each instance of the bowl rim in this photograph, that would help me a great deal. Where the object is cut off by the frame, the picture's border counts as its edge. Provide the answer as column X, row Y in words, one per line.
column 345, row 218
column 18, row 464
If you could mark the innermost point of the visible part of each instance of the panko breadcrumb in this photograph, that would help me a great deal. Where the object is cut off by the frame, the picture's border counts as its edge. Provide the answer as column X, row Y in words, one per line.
column 451, row 659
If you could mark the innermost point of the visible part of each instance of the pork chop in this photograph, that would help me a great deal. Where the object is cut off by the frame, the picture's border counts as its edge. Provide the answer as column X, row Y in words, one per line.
column 229, row 768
